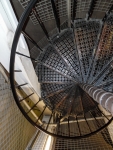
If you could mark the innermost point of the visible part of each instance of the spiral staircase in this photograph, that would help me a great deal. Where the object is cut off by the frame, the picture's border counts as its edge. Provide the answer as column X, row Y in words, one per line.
column 74, row 70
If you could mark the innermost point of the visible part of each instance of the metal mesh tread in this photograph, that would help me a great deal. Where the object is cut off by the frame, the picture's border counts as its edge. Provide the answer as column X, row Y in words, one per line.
column 58, row 66
column 86, row 37
column 45, row 11
column 104, row 52
column 53, row 60
column 66, row 106
column 100, row 141
column 73, row 55
column 48, row 89
column 58, row 100
column 65, row 46
column 87, row 102
column 46, row 75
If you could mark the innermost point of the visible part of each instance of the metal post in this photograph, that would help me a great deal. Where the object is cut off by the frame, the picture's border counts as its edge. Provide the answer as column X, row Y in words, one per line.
column 34, row 106
column 74, row 10
column 41, row 113
column 41, row 23
column 56, row 14
column 30, row 39
column 90, row 11
column 69, row 13
column 26, row 56
column 26, row 97
column 99, row 95
column 17, row 71
column 18, row 86
column 49, row 121
column 107, row 13
column 68, row 127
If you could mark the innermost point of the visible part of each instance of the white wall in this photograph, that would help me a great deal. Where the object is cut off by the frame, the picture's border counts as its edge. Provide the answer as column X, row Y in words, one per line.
column 8, row 24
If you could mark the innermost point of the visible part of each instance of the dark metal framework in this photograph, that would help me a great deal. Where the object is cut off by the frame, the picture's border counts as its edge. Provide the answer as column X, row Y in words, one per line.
column 40, row 22
column 29, row 38
column 92, row 5
column 66, row 98
column 55, row 10
column 74, row 9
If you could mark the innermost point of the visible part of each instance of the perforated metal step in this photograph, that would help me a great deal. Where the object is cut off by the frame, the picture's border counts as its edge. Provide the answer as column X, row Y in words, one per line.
column 66, row 48
column 53, row 60
column 76, row 56
column 47, row 75
column 103, row 58
column 86, row 38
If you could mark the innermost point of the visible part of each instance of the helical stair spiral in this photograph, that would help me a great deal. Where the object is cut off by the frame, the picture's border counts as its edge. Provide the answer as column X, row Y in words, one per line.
column 73, row 57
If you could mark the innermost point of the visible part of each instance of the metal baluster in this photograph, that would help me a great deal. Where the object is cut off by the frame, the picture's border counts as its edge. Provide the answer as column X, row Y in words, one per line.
column 69, row 13
column 85, row 116
column 98, row 124
column 41, row 113
column 107, row 13
column 68, row 127
column 40, row 22
column 26, row 97
column 90, row 12
column 18, row 86
column 78, row 126
column 49, row 120
column 34, row 106
column 56, row 15
column 103, row 113
column 17, row 71
column 26, row 56
column 30, row 39
column 74, row 9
